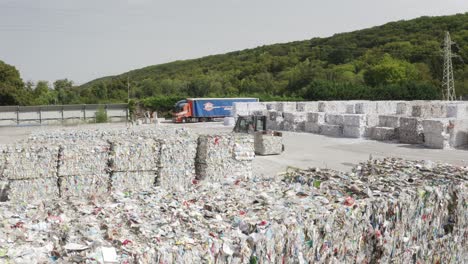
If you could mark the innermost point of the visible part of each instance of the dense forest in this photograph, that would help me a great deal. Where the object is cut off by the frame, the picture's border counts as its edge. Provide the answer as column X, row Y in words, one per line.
column 396, row 61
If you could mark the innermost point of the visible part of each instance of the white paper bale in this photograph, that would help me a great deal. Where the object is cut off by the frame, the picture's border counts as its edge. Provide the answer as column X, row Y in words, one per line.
column 271, row 105
column 317, row 118
column 307, row 106
column 457, row 110
column 133, row 153
column 177, row 161
column 133, row 181
column 84, row 186
column 293, row 126
column 354, row 131
column 224, row 156
column 366, row 108
column 30, row 161
column 268, row 144
column 389, row 121
column 295, row 117
column 286, row 106
column 84, row 157
column 444, row 133
column 404, row 108
column 332, row 106
column 411, row 130
column 40, row 189
column 356, row 120
column 331, row 130
column 334, row 119
column 383, row 133
column 429, row 110
column 387, row 107
column 312, row 127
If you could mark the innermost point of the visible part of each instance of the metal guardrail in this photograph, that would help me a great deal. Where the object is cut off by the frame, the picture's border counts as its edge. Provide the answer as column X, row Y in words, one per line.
column 62, row 112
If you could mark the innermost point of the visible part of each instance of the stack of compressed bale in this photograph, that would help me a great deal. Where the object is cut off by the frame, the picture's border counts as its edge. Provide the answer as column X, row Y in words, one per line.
column 294, row 121
column 332, row 106
column 286, row 107
column 174, row 156
column 445, row 133
column 177, row 160
column 333, row 125
column 271, row 105
column 83, row 167
column 411, row 130
column 314, row 121
column 133, row 162
column 457, row 110
column 224, row 156
column 387, row 129
column 429, row 110
column 351, row 106
column 268, row 143
column 247, row 108
column 355, row 125
column 307, row 106
column 275, row 120
column 404, row 108
column 31, row 171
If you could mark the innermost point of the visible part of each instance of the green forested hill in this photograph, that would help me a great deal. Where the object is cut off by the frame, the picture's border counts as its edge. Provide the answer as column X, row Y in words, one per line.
column 398, row 60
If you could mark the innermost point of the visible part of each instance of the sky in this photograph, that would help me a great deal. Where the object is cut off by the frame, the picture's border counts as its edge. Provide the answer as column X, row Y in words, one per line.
column 86, row 39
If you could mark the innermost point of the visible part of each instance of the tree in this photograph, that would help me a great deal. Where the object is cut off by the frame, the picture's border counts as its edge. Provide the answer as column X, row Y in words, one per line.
column 12, row 91
column 63, row 89
column 390, row 71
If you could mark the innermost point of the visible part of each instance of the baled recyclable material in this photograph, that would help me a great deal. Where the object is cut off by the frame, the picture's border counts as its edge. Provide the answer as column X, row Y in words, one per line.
column 268, row 143
column 133, row 181
column 133, row 153
column 83, row 157
column 224, row 156
column 38, row 189
column 84, row 185
column 30, row 161
column 384, row 211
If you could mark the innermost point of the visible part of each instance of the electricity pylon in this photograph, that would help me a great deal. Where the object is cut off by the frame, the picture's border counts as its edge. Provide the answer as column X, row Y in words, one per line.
column 448, row 82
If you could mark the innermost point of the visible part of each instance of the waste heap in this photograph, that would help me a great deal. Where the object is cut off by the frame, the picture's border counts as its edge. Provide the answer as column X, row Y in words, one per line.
column 385, row 211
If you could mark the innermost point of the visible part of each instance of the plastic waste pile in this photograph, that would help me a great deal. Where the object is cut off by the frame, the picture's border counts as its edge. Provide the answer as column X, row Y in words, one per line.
column 385, row 211
column 224, row 156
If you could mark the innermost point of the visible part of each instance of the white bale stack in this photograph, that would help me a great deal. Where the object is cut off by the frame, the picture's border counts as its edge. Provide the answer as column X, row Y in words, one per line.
column 286, row 107
column 333, row 126
column 429, row 110
column 332, row 106
column 39, row 189
column 445, row 133
column 133, row 153
column 368, row 107
column 314, row 121
column 274, row 120
column 387, row 107
column 404, row 108
column 294, row 121
column 411, row 130
column 177, row 161
column 307, row 106
column 271, row 105
column 389, row 121
column 133, row 181
column 355, row 125
column 247, row 108
column 31, row 171
column 384, row 133
column 224, row 156
column 457, row 110
column 84, row 186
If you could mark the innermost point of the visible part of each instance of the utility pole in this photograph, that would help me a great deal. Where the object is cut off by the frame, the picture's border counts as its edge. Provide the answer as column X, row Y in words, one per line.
column 128, row 89
column 448, row 82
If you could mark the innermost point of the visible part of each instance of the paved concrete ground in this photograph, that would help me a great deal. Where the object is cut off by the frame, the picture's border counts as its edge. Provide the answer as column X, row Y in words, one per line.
column 303, row 150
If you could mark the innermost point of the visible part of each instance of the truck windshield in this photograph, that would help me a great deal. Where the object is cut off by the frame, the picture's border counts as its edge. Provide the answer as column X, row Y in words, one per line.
column 179, row 106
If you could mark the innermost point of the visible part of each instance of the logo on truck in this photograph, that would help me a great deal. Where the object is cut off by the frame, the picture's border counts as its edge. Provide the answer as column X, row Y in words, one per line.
column 208, row 106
